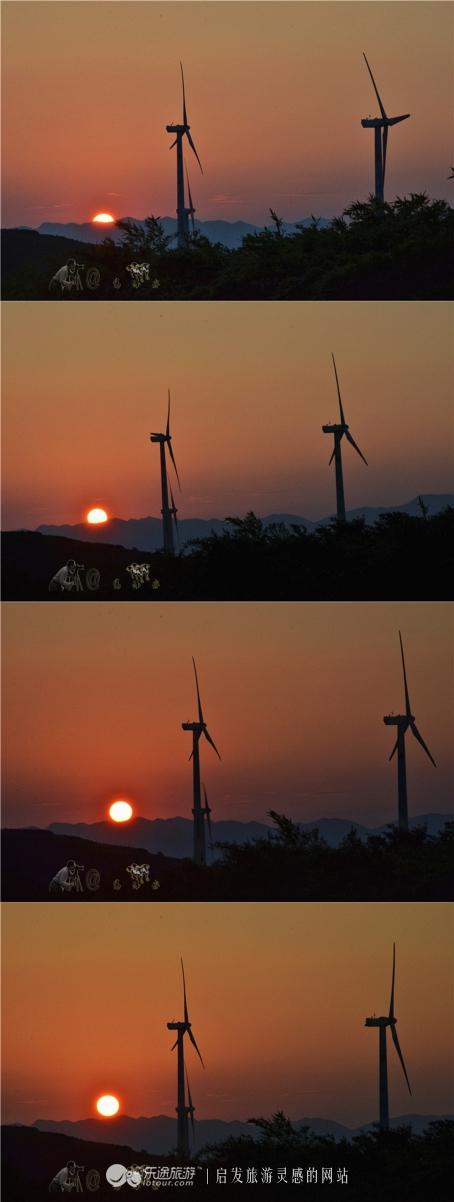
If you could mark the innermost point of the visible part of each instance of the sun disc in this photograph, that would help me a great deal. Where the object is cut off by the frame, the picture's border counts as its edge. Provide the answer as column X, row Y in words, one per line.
column 96, row 516
column 107, row 1105
column 120, row 811
column 103, row 219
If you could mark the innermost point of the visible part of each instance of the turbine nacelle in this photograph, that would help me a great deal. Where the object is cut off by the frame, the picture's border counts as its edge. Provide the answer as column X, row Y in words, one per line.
column 383, row 1021
column 383, row 123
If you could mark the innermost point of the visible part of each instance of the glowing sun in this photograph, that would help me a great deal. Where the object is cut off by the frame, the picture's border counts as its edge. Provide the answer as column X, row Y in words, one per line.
column 96, row 516
column 120, row 811
column 107, row 1105
column 103, row 219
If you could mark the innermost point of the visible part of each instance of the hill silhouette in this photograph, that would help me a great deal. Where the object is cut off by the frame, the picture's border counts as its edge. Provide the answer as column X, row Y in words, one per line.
column 398, row 1165
column 399, row 557
column 287, row 864
column 397, row 251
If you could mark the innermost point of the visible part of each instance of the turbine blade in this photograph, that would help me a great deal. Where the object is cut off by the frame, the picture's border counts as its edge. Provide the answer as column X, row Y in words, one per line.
column 173, row 144
column 185, row 116
column 193, row 1041
column 415, row 732
column 407, row 697
column 397, row 120
column 191, row 206
column 332, row 456
column 210, row 740
column 355, row 445
column 174, row 512
column 190, row 1106
column 168, row 416
column 208, row 812
column 174, row 1045
column 375, row 88
column 338, row 392
column 199, row 703
column 193, row 148
column 399, row 1053
column 394, row 749
column 385, row 147
column 391, row 1004
column 172, row 456
column 186, row 1015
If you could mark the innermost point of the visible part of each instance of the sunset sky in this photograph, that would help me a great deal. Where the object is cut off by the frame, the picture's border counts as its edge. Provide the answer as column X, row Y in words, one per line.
column 294, row 697
column 275, row 93
column 278, row 995
column 251, row 386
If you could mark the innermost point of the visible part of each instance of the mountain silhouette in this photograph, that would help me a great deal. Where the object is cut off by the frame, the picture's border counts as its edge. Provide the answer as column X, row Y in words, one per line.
column 145, row 534
column 158, row 1134
column 229, row 233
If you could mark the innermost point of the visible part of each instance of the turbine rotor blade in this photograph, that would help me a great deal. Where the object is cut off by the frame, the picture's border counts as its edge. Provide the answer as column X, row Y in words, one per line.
column 185, row 1004
column 190, row 1106
column 173, row 144
column 391, row 1004
column 193, row 1041
column 407, row 696
column 355, row 445
column 394, row 749
column 174, row 512
column 172, row 456
column 210, row 740
column 332, row 456
column 191, row 143
column 168, row 416
column 174, row 1045
column 338, row 391
column 185, row 116
column 399, row 1053
column 418, row 737
column 199, row 703
column 375, row 89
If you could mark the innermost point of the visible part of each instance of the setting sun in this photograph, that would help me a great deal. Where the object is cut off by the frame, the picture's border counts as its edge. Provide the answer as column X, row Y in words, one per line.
column 104, row 219
column 107, row 1105
column 96, row 516
column 120, row 811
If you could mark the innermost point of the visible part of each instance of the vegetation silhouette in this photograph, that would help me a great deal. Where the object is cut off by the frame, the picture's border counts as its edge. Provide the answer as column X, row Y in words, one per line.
column 386, row 1166
column 400, row 557
column 402, row 250
column 288, row 864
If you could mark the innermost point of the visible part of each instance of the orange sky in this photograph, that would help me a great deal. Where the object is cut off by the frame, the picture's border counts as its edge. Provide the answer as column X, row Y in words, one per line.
column 294, row 696
column 277, row 996
column 251, row 386
column 276, row 93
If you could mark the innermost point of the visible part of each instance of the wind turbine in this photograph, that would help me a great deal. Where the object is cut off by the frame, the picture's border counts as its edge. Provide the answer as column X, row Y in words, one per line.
column 382, row 1023
column 403, row 723
column 169, row 511
column 381, row 126
column 339, row 430
column 201, row 813
column 190, row 210
column 182, row 130
column 182, row 1108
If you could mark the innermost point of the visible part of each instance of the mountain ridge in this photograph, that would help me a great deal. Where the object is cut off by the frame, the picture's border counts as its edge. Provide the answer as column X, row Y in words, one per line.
column 145, row 534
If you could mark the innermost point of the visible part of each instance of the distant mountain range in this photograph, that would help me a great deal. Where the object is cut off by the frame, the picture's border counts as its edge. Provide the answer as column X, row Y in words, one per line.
column 158, row 1135
column 229, row 233
column 145, row 534
column 173, row 837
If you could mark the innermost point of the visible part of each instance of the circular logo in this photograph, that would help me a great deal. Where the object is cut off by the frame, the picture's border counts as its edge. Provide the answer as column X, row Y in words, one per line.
column 93, row 879
column 117, row 884
column 93, row 579
column 116, row 1175
column 134, row 1178
column 92, row 1180
column 117, row 283
column 93, row 278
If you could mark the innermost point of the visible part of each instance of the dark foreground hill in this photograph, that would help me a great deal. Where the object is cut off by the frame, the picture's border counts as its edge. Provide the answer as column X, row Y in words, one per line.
column 397, row 251
column 400, row 557
column 287, row 864
column 398, row 1165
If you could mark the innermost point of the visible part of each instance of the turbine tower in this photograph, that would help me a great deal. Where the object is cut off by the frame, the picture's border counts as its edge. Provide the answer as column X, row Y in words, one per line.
column 182, row 130
column 339, row 430
column 403, row 723
column 168, row 510
column 381, row 126
column 184, row 1109
column 382, row 1023
column 201, row 813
